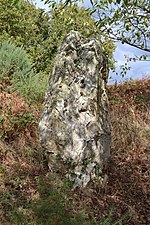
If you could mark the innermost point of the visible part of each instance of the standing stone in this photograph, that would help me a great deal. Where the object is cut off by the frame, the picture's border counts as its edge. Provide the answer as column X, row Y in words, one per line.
column 75, row 127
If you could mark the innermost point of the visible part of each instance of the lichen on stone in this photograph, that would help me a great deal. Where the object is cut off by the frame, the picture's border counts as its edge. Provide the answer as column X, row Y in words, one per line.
column 75, row 121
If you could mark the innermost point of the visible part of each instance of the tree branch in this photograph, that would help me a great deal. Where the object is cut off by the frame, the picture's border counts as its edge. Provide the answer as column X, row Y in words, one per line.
column 132, row 44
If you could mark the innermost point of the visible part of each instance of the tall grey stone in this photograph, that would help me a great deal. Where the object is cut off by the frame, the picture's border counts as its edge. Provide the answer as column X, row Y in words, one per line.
column 75, row 127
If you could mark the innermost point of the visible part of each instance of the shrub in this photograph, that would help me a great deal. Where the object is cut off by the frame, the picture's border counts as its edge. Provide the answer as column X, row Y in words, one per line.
column 16, row 71
column 14, row 62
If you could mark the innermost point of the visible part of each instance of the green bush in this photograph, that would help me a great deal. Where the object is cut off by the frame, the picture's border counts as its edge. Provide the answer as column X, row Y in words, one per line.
column 16, row 68
column 14, row 62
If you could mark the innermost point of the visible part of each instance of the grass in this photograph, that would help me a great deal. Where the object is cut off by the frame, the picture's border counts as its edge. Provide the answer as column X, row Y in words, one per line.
column 31, row 195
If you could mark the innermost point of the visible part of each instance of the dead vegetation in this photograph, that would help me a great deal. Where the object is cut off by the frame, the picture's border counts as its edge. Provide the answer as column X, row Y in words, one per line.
column 126, row 190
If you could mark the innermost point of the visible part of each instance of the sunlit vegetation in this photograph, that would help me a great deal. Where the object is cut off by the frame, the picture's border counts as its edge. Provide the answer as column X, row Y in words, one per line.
column 30, row 194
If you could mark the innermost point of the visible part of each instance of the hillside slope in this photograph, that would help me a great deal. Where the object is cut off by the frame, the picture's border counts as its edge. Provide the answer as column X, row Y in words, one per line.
column 25, row 201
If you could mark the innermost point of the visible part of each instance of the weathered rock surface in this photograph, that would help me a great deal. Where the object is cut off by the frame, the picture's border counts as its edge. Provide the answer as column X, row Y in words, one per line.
column 75, row 127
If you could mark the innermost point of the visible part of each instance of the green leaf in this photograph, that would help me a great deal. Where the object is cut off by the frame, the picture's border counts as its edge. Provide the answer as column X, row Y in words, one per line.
column 127, row 27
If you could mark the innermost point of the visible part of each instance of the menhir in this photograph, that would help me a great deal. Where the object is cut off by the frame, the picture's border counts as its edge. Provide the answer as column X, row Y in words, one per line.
column 75, row 127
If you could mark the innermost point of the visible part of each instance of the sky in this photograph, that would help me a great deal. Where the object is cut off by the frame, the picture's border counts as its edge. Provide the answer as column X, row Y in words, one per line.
column 138, row 69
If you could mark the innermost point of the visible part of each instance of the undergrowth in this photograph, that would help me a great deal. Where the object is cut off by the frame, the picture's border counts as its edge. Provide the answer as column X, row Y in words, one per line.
column 31, row 195
column 130, row 115
column 18, row 121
